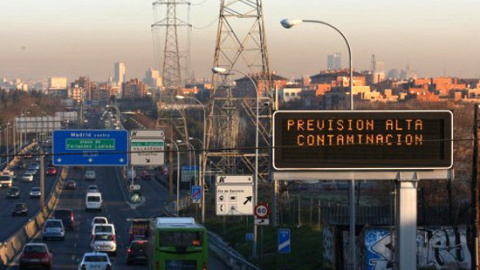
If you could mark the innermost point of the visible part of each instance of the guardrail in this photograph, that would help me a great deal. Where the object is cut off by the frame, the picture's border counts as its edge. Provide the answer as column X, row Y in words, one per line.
column 13, row 245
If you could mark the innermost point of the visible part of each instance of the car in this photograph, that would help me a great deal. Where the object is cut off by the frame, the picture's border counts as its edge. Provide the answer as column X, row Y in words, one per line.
column 28, row 155
column 67, row 217
column 34, row 165
column 93, row 201
column 53, row 228
column 104, row 228
column 13, row 192
column 35, row 254
column 20, row 165
column 104, row 242
column 92, row 188
column 146, row 175
column 31, row 171
column 71, row 185
column 52, row 171
column 137, row 252
column 35, row 192
column 90, row 175
column 99, row 220
column 95, row 260
column 27, row 176
column 20, row 209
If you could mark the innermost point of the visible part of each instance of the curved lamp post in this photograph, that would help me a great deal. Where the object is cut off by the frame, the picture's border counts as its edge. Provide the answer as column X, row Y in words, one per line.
column 219, row 70
column 288, row 23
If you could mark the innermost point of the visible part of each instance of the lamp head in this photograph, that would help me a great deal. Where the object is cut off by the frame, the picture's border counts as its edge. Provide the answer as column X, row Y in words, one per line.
column 288, row 23
column 219, row 70
column 179, row 97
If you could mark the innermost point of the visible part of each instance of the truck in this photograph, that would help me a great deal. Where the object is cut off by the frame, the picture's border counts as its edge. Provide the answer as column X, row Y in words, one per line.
column 138, row 229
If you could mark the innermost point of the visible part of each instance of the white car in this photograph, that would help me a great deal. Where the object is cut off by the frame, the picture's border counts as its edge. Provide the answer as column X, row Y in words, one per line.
column 53, row 228
column 27, row 177
column 95, row 260
column 99, row 220
column 90, row 175
column 31, row 171
column 35, row 192
column 104, row 242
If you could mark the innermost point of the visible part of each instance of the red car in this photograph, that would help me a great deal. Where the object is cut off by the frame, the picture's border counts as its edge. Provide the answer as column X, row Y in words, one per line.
column 28, row 155
column 35, row 254
column 51, row 171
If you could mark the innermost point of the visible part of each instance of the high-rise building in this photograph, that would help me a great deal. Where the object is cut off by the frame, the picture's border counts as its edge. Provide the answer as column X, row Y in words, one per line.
column 119, row 72
column 152, row 78
column 334, row 61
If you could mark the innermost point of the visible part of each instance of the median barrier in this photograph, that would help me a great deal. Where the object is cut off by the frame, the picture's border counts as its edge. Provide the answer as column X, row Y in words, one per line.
column 13, row 245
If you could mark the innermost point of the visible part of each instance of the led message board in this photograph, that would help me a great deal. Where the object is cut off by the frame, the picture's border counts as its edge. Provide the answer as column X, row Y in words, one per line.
column 362, row 140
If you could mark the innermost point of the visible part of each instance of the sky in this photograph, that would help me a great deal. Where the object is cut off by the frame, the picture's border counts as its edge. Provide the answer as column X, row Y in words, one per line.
column 66, row 38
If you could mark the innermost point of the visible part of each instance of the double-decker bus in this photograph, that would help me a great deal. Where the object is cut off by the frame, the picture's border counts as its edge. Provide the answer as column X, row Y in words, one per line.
column 177, row 243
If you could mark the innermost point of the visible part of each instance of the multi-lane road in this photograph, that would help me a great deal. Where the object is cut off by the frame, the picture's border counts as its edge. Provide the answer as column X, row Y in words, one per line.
column 11, row 224
column 68, row 253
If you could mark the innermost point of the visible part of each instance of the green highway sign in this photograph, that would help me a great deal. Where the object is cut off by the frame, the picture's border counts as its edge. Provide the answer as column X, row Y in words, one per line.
column 90, row 144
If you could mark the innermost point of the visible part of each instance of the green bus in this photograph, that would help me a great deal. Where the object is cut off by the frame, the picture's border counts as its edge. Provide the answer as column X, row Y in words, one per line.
column 177, row 243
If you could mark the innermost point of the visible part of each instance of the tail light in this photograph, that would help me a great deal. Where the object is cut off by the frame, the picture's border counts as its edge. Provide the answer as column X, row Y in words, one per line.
column 204, row 266
column 129, row 250
column 109, row 267
column 71, row 216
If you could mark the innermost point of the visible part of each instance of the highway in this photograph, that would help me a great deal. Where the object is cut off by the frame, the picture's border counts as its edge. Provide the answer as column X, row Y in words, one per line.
column 11, row 224
column 68, row 253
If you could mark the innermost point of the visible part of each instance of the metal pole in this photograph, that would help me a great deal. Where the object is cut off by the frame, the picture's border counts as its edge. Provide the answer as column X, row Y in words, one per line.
column 42, row 179
column 288, row 24
column 8, row 144
column 178, row 179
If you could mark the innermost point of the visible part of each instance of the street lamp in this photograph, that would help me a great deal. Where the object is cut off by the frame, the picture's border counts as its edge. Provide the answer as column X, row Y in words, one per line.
column 178, row 174
column 204, row 152
column 287, row 23
column 219, row 70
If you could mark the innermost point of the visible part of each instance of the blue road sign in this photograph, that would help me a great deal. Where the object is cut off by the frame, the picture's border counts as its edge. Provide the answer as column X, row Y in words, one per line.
column 249, row 237
column 90, row 147
column 196, row 194
column 283, row 240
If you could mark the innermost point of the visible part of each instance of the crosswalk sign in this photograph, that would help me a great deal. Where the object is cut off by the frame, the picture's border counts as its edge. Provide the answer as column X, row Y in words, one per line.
column 283, row 240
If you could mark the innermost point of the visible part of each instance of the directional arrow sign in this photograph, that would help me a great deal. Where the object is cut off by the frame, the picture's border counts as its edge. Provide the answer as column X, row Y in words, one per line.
column 90, row 147
column 234, row 200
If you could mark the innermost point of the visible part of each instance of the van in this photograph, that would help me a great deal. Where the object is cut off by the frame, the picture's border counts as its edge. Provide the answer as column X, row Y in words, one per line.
column 93, row 200
column 67, row 217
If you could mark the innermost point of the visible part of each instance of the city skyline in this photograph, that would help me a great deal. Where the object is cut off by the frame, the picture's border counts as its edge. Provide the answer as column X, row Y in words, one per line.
column 72, row 39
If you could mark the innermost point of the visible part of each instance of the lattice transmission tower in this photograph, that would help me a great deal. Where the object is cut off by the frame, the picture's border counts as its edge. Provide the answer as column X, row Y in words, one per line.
column 169, row 51
column 240, row 45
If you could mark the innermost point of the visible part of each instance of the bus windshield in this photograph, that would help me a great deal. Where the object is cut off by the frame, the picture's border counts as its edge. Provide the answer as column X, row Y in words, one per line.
column 182, row 238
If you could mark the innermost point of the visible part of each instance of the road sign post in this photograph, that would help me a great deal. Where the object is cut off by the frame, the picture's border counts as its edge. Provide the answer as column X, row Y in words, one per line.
column 283, row 240
column 90, row 147
column 196, row 194
column 147, row 147
column 234, row 195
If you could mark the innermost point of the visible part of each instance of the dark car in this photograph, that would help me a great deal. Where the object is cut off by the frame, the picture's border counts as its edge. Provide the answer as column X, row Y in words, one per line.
column 20, row 165
column 71, row 185
column 35, row 254
column 137, row 252
column 19, row 209
column 67, row 217
column 13, row 192
column 28, row 155
column 146, row 175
